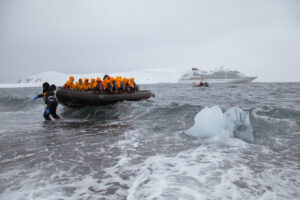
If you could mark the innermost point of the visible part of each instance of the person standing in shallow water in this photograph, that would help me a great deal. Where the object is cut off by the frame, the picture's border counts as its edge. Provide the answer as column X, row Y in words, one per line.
column 50, row 99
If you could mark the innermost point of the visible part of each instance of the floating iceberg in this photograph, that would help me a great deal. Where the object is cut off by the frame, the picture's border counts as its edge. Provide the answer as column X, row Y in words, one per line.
column 212, row 122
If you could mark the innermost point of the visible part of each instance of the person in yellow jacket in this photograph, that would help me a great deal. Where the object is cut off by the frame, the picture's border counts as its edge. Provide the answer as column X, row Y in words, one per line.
column 86, row 84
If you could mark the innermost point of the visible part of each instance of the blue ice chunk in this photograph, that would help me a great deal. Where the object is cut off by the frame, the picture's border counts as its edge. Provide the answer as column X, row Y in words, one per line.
column 211, row 122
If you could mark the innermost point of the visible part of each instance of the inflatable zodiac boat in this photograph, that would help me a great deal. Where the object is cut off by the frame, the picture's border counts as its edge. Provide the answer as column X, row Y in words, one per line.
column 205, row 84
column 77, row 98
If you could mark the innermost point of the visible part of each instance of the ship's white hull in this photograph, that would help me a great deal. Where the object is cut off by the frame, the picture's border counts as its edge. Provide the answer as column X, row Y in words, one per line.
column 196, row 80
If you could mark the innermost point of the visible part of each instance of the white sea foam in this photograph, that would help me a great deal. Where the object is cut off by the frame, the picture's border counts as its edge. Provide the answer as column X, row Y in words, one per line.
column 212, row 123
column 210, row 172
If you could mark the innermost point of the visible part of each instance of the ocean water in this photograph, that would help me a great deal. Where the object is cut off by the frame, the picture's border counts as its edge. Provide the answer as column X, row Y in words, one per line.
column 143, row 150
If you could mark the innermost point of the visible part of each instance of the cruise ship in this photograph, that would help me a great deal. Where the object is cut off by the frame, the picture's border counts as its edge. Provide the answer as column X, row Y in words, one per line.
column 217, row 76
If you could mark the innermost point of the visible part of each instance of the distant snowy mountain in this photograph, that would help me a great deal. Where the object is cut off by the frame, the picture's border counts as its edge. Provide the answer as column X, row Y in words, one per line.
column 50, row 76
column 147, row 76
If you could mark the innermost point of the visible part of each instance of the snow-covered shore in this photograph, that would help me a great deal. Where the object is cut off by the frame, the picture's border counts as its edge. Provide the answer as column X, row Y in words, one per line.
column 147, row 76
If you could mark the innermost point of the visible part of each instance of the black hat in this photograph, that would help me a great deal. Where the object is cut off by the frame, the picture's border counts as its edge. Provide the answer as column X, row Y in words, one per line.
column 45, row 85
column 53, row 87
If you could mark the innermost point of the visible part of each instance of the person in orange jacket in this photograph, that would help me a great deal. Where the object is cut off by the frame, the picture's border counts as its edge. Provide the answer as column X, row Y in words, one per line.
column 132, row 85
column 118, row 84
column 71, row 84
column 124, row 84
column 107, row 85
column 98, row 85
column 66, row 85
column 86, row 84
column 80, row 84
column 76, row 86
column 106, row 76
column 92, row 83
column 113, row 82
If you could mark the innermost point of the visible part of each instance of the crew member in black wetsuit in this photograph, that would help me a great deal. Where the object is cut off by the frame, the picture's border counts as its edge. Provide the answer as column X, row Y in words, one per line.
column 50, row 100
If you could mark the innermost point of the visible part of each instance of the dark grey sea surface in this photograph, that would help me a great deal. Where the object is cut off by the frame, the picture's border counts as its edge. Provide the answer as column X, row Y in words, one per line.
column 139, row 150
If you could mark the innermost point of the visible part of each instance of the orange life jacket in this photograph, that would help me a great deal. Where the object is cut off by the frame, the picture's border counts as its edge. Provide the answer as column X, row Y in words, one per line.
column 91, row 84
column 71, row 85
column 105, row 83
column 86, row 85
column 130, row 83
column 118, row 83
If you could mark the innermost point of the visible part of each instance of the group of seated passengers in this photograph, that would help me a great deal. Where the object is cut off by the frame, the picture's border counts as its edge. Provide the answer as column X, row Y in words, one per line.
column 107, row 85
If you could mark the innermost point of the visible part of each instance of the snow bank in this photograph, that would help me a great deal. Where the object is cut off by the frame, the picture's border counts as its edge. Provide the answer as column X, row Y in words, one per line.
column 147, row 76
column 211, row 122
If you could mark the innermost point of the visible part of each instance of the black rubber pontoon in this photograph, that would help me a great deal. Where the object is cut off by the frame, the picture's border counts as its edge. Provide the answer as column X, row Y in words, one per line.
column 75, row 98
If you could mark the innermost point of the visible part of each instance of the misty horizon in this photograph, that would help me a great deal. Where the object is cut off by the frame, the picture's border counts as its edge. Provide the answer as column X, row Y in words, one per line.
column 254, row 37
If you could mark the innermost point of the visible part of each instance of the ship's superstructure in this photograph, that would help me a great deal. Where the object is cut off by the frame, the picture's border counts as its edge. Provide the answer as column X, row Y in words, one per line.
column 217, row 76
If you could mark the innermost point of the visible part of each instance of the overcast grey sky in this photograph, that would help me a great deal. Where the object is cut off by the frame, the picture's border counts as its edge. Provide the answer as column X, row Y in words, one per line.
column 256, row 37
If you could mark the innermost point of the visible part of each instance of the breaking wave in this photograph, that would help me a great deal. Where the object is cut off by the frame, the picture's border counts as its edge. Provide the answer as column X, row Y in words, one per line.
column 15, row 103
